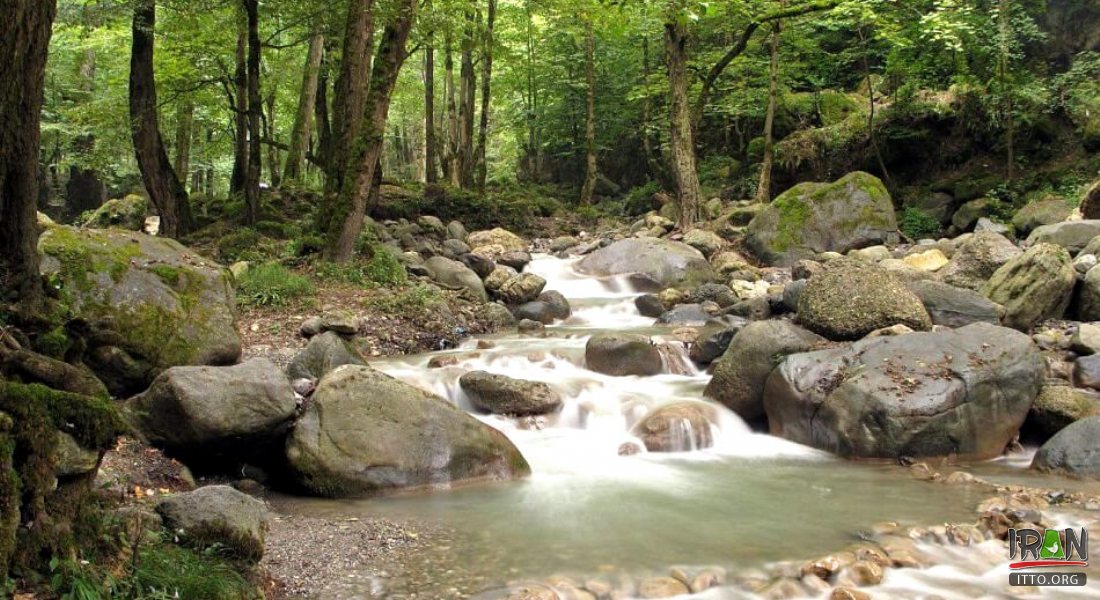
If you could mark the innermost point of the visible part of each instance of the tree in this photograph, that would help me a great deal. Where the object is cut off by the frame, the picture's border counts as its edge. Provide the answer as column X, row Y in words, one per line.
column 255, row 111
column 430, row 150
column 763, row 188
column 164, row 188
column 681, row 136
column 591, row 173
column 486, row 79
column 23, row 50
column 299, row 137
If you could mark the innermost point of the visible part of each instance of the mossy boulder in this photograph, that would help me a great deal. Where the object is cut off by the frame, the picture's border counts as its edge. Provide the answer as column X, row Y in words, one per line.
column 1090, row 202
column 122, row 213
column 324, row 353
column 976, row 259
column 660, row 263
column 151, row 297
column 619, row 354
column 503, row 395
column 366, row 432
column 1074, row 450
column 1034, row 286
column 1057, row 406
column 849, row 299
column 217, row 515
column 1049, row 210
column 854, row 211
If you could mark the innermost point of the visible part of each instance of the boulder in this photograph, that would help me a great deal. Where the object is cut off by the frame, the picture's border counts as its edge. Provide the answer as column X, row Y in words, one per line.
column 557, row 302
column 1088, row 296
column 1086, row 340
column 523, row 287
column 622, row 354
column 549, row 307
column 938, row 205
column 969, row 213
column 1034, row 286
column 456, row 276
column 649, row 305
column 495, row 316
column 1049, row 210
column 720, row 294
column 1056, row 407
column 977, row 258
column 517, row 259
column 958, row 392
column 123, row 213
column 952, row 306
column 147, row 297
column 1086, row 371
column 714, row 339
column 324, row 353
column 685, row 314
column 479, row 264
column 677, row 427
column 850, row 299
column 1074, row 450
column 1090, row 202
column 215, row 417
column 662, row 262
column 498, row 277
column 366, row 432
column 503, row 238
column 853, row 212
column 704, row 241
column 932, row 259
column 456, row 231
column 1071, row 235
column 502, row 395
column 742, row 371
column 217, row 515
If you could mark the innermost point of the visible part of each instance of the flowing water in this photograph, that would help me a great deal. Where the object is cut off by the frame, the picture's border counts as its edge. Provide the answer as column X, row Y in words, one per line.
column 748, row 500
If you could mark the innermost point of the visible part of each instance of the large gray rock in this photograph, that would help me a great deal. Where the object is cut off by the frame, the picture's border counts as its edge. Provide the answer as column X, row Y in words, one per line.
column 977, row 258
column 854, row 211
column 1034, row 286
column 622, row 354
column 217, row 515
column 849, row 299
column 123, row 213
column 952, row 306
column 714, row 339
column 740, row 374
column 958, row 392
column 1071, row 235
column 686, row 315
column 1050, row 210
column 324, row 353
column 1057, row 406
column 523, row 287
column 456, row 276
column 215, row 416
column 366, row 432
column 503, row 395
column 148, row 297
column 663, row 262
column 1088, row 296
column 1074, row 450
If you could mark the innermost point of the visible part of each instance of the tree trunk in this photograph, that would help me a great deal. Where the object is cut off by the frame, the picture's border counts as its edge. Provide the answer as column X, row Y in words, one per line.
column 588, row 189
column 764, row 186
column 323, row 148
column 486, row 78
column 185, row 116
column 351, row 90
column 239, row 177
column 466, row 157
column 871, row 107
column 255, row 108
column 352, row 203
column 1004, row 10
column 161, row 183
column 680, row 140
column 23, row 50
column 430, row 173
column 269, row 128
column 299, row 136
column 452, row 118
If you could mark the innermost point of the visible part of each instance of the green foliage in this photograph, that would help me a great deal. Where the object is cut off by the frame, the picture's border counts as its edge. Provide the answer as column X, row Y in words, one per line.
column 382, row 269
column 917, row 224
column 271, row 284
column 640, row 200
column 306, row 245
column 418, row 298
column 238, row 245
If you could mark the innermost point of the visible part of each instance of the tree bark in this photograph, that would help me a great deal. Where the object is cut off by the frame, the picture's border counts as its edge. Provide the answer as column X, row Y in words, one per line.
column 1004, row 19
column 430, row 173
column 590, row 174
column 239, row 177
column 681, row 143
column 269, row 128
column 468, row 85
column 323, row 148
column 255, row 109
column 351, row 89
column 486, row 78
column 452, row 118
column 185, row 116
column 764, row 186
column 164, row 188
column 352, row 203
column 23, row 50
column 299, row 136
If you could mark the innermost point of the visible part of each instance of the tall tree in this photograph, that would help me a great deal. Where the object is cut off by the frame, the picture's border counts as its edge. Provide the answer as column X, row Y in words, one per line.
column 350, row 93
column 164, row 188
column 590, row 173
column 764, row 185
column 486, row 78
column 185, row 117
column 255, row 110
column 681, row 137
column 430, row 150
column 239, row 178
column 23, row 49
column 299, row 136
column 451, row 159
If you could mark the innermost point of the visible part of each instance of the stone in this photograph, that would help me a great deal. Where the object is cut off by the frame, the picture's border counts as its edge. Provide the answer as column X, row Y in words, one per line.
column 720, row 294
column 871, row 254
column 977, row 258
column 1084, row 262
column 498, row 277
column 150, row 297
column 685, row 315
column 850, row 299
column 1074, row 450
column 952, row 306
column 1086, row 340
column 1071, row 235
column 311, row 326
column 239, row 269
column 530, row 326
column 456, row 276
column 431, row 225
column 987, row 224
column 1034, row 286
column 321, row 355
column 969, row 213
column 453, row 248
column 677, row 427
column 1049, row 210
column 742, row 371
column 853, row 212
column 365, row 432
column 215, row 417
column 517, row 259
column 927, row 260
column 123, row 213
column 961, row 392
column 1088, row 296
column 714, row 338
column 1086, row 371
column 506, row 240
column 663, row 262
column 1056, row 407
column 217, row 515
column 71, row 458
column 479, row 264
column 456, row 231
column 495, row 316
column 938, row 205
column 704, row 241
column 523, row 287
column 791, row 294
column 503, row 395
column 563, row 243
column 649, row 305
column 728, row 261
column 661, row 587
column 622, row 354
column 341, row 322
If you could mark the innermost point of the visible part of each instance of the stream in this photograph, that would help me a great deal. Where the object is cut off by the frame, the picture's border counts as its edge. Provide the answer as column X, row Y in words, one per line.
column 749, row 500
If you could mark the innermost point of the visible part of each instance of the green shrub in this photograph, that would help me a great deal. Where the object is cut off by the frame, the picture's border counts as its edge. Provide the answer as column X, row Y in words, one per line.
column 418, row 298
column 280, row 231
column 381, row 269
column 237, row 245
column 271, row 284
column 305, row 246
column 640, row 200
column 917, row 224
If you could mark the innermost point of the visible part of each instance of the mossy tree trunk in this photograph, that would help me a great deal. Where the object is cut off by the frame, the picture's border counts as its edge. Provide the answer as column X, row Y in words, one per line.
column 239, row 99
column 591, row 169
column 486, row 78
column 431, row 175
column 681, row 140
column 764, row 185
column 255, row 109
column 299, row 136
column 467, row 91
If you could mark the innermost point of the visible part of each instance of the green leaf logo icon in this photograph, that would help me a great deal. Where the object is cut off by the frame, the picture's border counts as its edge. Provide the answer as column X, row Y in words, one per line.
column 1052, row 546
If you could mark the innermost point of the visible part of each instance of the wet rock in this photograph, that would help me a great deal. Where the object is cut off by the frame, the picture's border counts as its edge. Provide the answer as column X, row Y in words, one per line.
column 495, row 316
column 677, row 427
column 685, row 314
column 517, row 259
column 366, row 432
column 661, row 587
column 847, row 593
column 850, row 299
column 663, row 262
column 1047, row 211
column 953, row 392
column 714, row 339
column 1033, row 286
column 502, row 395
column 977, row 258
column 322, row 354
column 217, row 515
column 1071, row 235
column 649, row 305
column 1074, row 450
column 1056, row 407
column 622, row 354
column 521, row 288
column 952, row 306
column 740, row 374
column 455, row 275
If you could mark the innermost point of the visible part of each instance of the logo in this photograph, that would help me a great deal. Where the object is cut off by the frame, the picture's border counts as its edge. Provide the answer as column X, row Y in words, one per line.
column 1032, row 548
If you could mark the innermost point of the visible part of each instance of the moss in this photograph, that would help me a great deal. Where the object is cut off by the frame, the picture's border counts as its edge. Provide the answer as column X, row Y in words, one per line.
column 73, row 249
column 53, row 343
column 9, row 494
column 167, row 273
column 794, row 211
